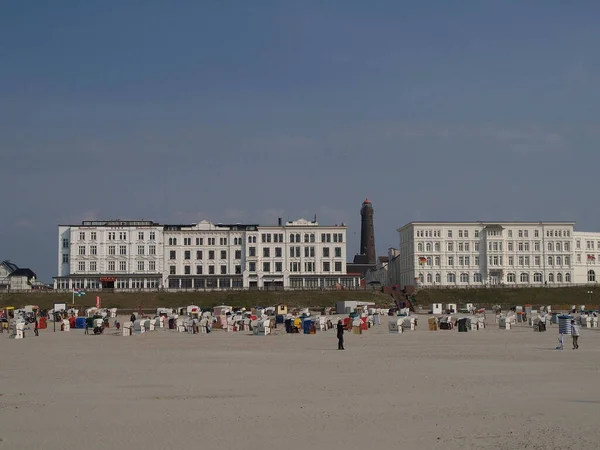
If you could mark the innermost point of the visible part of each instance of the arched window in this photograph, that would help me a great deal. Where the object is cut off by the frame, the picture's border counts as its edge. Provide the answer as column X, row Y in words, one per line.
column 420, row 247
column 550, row 246
column 438, row 278
column 306, row 238
column 428, row 247
column 250, row 239
column 559, row 277
column 510, row 278
column 174, row 241
column 429, row 278
column 591, row 276
column 429, row 260
column 437, row 246
column 421, row 278
column 524, row 277
column 312, row 238
column 550, row 261
column 170, row 241
column 537, row 277
column 451, row 278
column 567, row 260
column 477, row 278
column 464, row 277
column 551, row 278
column 437, row 260
column 558, row 261
column 558, row 247
column 567, row 277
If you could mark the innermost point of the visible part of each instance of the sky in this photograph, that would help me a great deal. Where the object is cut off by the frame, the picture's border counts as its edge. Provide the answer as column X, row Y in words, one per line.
column 239, row 111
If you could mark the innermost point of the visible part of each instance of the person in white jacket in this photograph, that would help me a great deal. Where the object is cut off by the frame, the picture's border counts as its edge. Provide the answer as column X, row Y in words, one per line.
column 575, row 334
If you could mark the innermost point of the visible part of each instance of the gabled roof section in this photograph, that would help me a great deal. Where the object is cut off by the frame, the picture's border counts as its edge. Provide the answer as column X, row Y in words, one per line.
column 10, row 266
column 23, row 273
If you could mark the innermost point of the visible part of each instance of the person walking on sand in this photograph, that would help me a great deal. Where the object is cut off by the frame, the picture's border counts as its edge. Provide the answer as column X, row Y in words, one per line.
column 340, row 334
column 35, row 330
column 575, row 334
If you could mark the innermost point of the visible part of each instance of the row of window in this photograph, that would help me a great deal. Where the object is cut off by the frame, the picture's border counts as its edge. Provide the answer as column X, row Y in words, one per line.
column 112, row 235
column 112, row 266
column 267, row 253
column 267, row 266
column 493, row 246
column 495, row 260
column 265, row 238
column 492, row 232
column 510, row 278
column 112, row 250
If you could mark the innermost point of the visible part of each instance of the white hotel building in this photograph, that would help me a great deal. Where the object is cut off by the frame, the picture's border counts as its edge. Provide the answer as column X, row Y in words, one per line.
column 145, row 255
column 471, row 254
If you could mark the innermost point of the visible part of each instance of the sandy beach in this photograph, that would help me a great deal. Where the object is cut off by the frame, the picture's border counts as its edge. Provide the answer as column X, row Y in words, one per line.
column 487, row 389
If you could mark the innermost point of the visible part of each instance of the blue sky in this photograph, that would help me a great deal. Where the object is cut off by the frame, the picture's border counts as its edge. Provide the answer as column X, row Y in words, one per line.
column 248, row 111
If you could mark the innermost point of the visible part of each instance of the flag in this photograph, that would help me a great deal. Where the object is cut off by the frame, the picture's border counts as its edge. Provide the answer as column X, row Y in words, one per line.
column 79, row 292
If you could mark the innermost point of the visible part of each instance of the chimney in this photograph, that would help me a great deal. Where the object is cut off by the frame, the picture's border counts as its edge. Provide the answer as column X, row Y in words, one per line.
column 279, row 222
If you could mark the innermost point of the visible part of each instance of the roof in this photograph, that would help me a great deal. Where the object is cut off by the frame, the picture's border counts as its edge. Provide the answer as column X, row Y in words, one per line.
column 23, row 273
column 488, row 222
column 384, row 259
column 361, row 269
column 10, row 266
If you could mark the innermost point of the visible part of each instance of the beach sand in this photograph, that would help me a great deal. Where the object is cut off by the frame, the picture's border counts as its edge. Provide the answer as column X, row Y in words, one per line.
column 488, row 389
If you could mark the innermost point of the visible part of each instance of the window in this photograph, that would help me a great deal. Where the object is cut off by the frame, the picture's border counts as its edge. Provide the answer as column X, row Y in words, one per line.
column 140, row 235
column 199, row 270
column 567, row 247
column 278, row 252
column 460, row 233
column 428, row 247
column 461, row 261
column 82, row 266
column 449, row 233
column 429, row 278
column 326, row 266
column 578, row 244
column 450, row 260
column 558, row 261
column 123, row 236
column 211, row 270
column 223, row 241
column 420, row 247
column 140, row 249
column 477, row 278
column 338, row 266
column 550, row 260
column 521, row 247
column 65, row 259
column 238, row 269
column 476, row 262
column 558, row 247
column 306, row 238
column 152, row 249
column 591, row 276
column 238, row 254
column 578, row 257
column 526, row 233
column 152, row 265
column 122, row 249
column 211, row 241
column 111, row 235
column 451, row 278
column 510, row 246
column 93, row 250
column 266, row 267
column 536, row 233
column 65, row 243
column 211, row 254
column 82, row 249
column 476, row 246
column 525, row 246
column 140, row 265
column 187, row 241
column 521, row 261
column 278, row 267
column 223, row 270
column 464, row 277
column 476, row 233
column 510, row 233
column 438, row 278
column 524, row 277
column 550, row 246
column 536, row 246
column 567, row 260
column 466, row 233
column 291, row 238
column 521, row 233
column 429, row 260
column 266, row 252
column 567, row 277
column 537, row 260
column 172, row 254
column 467, row 261
column 92, row 266
column 200, row 241
column 252, row 266
column 460, row 247
column 251, row 251
column 325, row 252
column 527, row 260
column 223, row 254
column 82, row 236
column 450, row 247
column 111, row 266
column 172, row 270
column 187, row 255
column 511, row 260
column 338, row 252
column 537, row 277
column 559, row 277
column 123, row 265
column 551, row 278
column 437, row 246
column 309, row 252
column 152, row 235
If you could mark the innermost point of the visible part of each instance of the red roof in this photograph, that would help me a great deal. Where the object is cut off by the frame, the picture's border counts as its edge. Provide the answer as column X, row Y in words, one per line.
column 366, row 201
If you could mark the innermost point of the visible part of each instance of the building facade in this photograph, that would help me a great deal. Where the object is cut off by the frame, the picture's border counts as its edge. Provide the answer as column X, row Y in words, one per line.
column 145, row 255
column 464, row 254
column 15, row 278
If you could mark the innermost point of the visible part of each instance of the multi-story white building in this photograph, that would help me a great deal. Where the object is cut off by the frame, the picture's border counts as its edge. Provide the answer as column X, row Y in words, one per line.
column 145, row 255
column 490, row 253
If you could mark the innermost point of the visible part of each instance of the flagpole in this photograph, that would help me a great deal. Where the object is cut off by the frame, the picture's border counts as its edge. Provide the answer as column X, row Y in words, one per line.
column 73, row 302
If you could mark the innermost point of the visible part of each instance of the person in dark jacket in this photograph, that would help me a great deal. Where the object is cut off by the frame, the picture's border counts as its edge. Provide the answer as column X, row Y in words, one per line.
column 340, row 334
column 35, row 330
